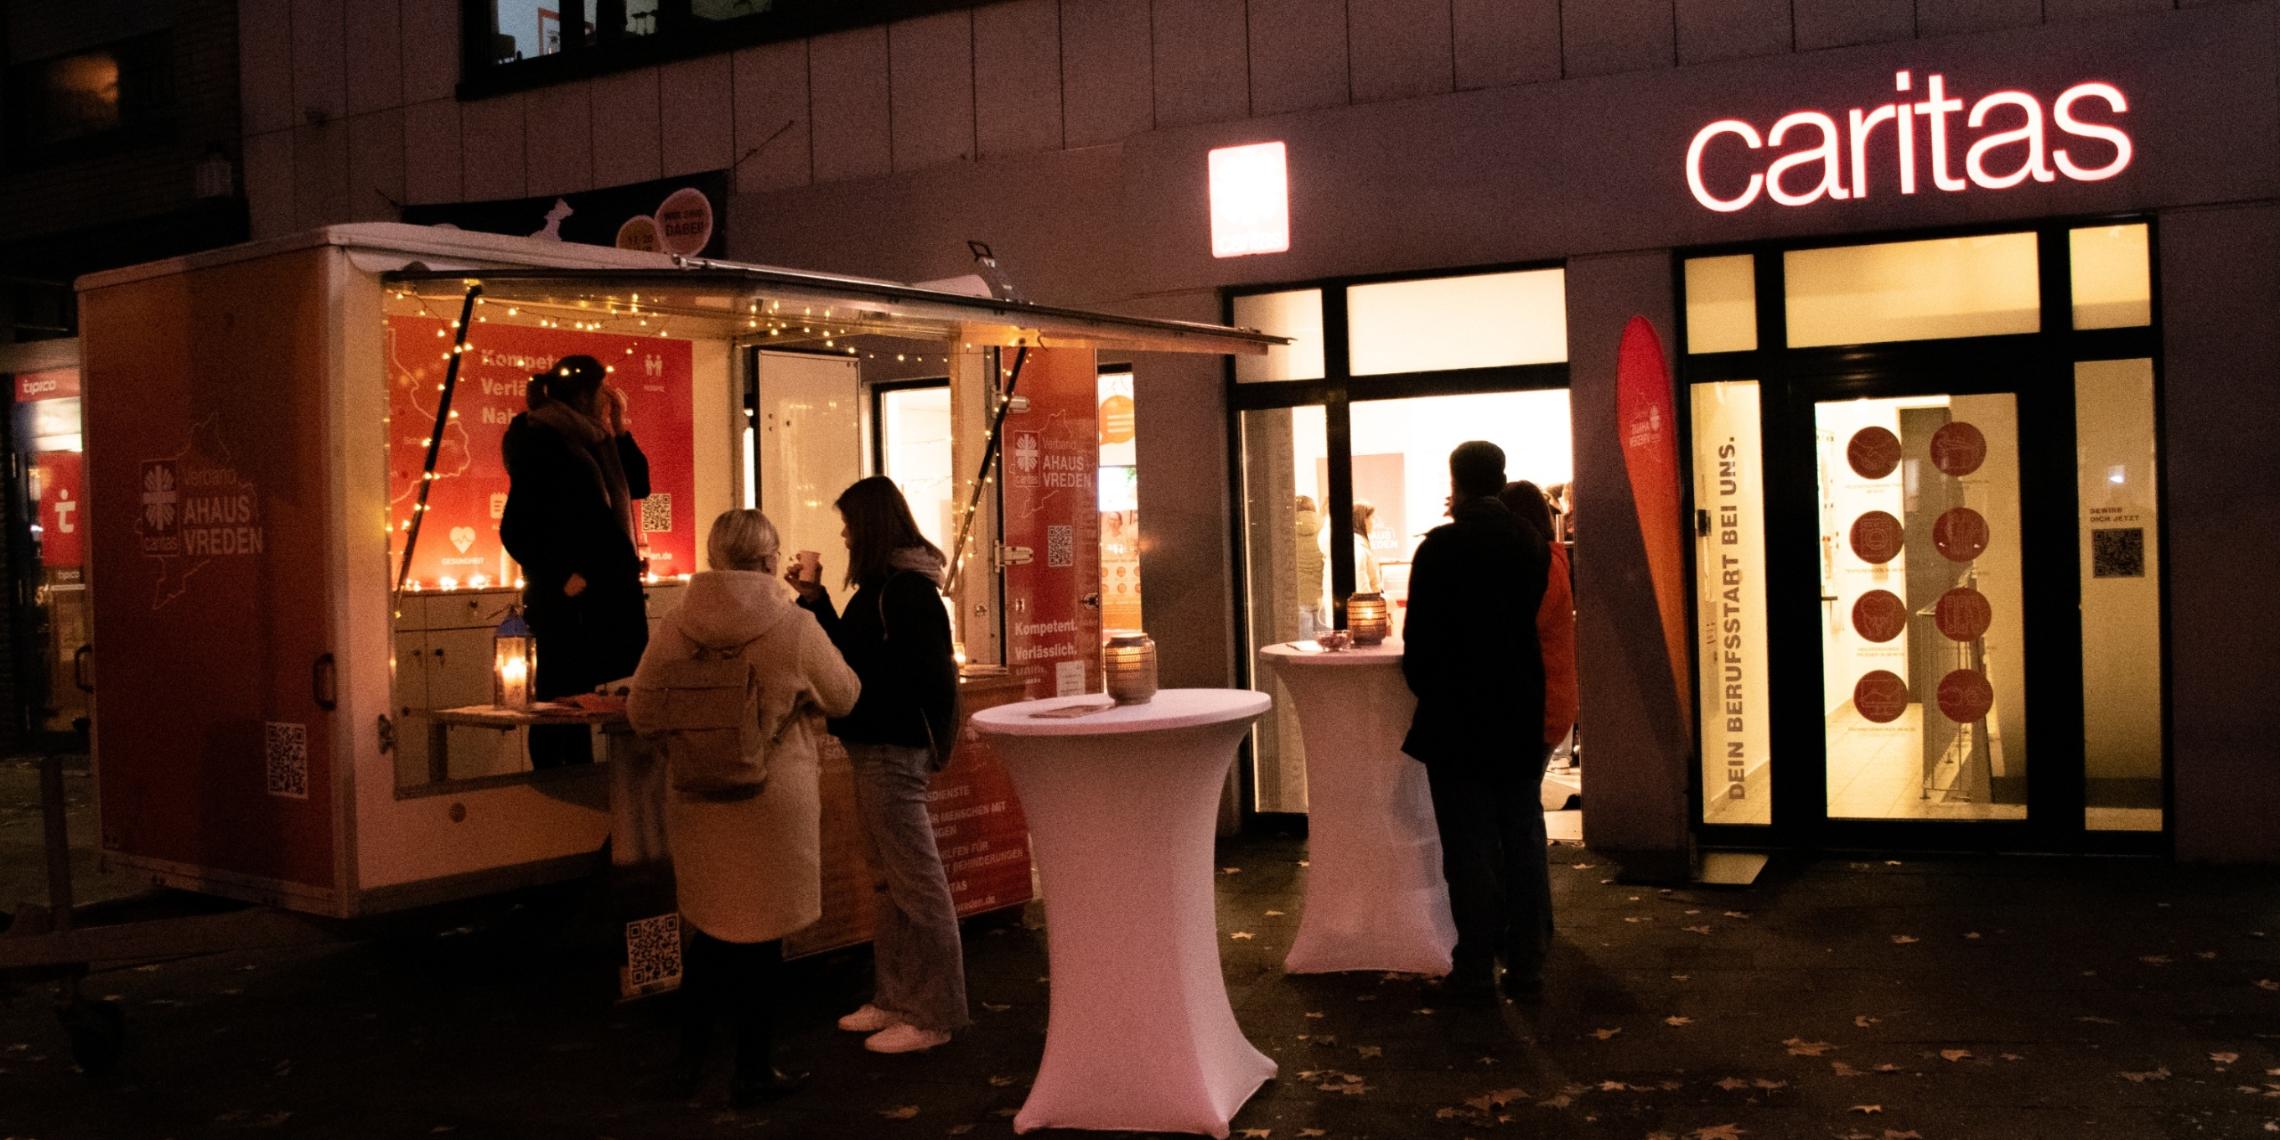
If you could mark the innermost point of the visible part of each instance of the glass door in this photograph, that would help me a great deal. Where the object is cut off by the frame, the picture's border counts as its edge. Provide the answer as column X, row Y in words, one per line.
column 1925, row 665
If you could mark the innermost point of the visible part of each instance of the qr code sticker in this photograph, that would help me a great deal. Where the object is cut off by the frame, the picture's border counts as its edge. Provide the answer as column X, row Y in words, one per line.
column 657, row 513
column 1060, row 546
column 286, row 759
column 652, row 953
column 2117, row 552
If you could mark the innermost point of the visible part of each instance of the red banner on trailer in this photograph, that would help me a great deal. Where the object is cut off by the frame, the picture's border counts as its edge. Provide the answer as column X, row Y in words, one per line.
column 1052, row 509
column 459, row 542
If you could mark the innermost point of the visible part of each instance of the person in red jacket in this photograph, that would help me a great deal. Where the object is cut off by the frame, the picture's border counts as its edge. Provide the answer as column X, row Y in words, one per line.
column 1555, row 621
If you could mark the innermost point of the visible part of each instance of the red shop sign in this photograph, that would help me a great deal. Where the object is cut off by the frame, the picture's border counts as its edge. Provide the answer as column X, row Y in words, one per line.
column 1958, row 448
column 1876, row 537
column 1963, row 613
column 1880, row 615
column 1965, row 696
column 1960, row 534
column 1881, row 696
column 1873, row 452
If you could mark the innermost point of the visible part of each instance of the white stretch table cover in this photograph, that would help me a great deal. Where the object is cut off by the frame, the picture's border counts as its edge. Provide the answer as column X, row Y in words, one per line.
column 1375, row 898
column 1122, row 808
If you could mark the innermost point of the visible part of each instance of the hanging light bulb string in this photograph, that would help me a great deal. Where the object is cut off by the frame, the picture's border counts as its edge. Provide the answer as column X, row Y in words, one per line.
column 982, row 477
column 435, row 438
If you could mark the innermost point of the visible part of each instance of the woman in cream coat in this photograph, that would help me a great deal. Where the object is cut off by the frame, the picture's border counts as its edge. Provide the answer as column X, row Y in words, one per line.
column 750, row 869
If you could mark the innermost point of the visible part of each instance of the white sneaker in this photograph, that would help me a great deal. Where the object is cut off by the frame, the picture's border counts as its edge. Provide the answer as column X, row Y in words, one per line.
column 869, row 1019
column 903, row 1037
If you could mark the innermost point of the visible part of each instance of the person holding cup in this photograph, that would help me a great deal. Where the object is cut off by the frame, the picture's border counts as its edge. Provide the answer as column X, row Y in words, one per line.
column 895, row 634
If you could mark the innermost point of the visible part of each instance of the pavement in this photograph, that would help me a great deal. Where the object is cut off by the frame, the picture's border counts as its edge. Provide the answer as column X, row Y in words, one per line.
column 1853, row 998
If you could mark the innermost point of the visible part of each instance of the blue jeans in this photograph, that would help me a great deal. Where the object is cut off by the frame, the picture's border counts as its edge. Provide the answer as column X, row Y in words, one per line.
column 920, row 965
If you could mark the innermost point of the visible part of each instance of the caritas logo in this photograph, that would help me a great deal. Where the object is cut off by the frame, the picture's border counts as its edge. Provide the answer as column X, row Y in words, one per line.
column 1877, row 147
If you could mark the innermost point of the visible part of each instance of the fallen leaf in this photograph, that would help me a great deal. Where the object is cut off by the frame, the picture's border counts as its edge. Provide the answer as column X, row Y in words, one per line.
column 1676, row 1020
column 960, row 1129
column 905, row 1112
column 1303, row 1132
column 1326, row 1039
column 996, row 1007
column 1769, row 1086
column 1910, row 1134
column 2160, row 1073
column 1682, row 977
column 1955, row 1054
column 1369, row 1051
column 2154, row 959
column 2267, row 984
column 1231, row 870
column 2224, row 1058
column 1892, row 862
column 1867, row 1109
column 2098, row 1020
column 1697, row 929
column 1971, row 935
column 1613, row 1086
column 1257, row 1133
column 1583, row 866
column 1561, row 1101
column 1305, row 862
column 1739, row 915
column 1000, row 1082
column 2205, row 955
column 1718, row 1132
column 1731, row 1084
column 1903, row 939
column 2013, row 1057
column 1240, row 936
column 1274, row 914
column 1423, row 1011
column 1606, row 1034
column 1841, row 1069
column 1799, row 1047
column 1316, row 1014
column 1863, row 1021
column 1888, row 1068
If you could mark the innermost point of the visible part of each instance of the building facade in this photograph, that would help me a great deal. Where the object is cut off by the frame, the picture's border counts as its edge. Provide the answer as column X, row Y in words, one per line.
column 1959, row 298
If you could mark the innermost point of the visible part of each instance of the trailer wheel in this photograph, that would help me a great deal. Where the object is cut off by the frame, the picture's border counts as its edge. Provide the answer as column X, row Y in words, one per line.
column 98, row 1032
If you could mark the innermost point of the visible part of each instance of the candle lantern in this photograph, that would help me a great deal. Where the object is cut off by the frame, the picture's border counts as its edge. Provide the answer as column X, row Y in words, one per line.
column 1367, row 618
column 514, row 661
column 1130, row 661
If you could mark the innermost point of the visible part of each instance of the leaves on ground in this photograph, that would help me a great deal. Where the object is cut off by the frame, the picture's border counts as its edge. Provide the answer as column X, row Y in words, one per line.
column 1904, row 939
column 1607, row 1034
column 999, row 1082
column 1799, row 1047
column 1676, row 1020
column 2224, row 1058
column 1703, row 929
column 1867, row 1109
column 900, row 1112
column 2158, row 1073
column 1718, row 1132
column 1863, row 1021
column 2154, row 959
column 1369, row 1051
column 996, row 1006
column 1241, row 936
column 1953, row 1055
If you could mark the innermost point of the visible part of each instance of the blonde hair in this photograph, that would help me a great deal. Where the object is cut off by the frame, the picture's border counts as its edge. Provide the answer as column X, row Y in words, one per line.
column 742, row 540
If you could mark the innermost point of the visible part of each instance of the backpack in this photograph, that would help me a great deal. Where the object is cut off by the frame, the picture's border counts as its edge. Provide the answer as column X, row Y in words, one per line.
column 714, row 744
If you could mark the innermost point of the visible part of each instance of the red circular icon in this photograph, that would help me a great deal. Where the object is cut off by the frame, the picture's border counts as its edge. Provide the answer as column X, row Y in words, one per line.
column 1876, row 537
column 1958, row 448
column 1873, row 452
column 1881, row 696
column 1965, row 696
column 1880, row 615
column 1963, row 613
column 1961, row 534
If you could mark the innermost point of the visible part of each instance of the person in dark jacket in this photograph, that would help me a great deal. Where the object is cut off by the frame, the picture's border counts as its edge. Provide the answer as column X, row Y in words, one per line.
column 895, row 634
column 573, row 473
column 1470, row 654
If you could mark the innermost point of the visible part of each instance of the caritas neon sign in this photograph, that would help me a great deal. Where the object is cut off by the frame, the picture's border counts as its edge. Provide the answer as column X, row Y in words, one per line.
column 1836, row 162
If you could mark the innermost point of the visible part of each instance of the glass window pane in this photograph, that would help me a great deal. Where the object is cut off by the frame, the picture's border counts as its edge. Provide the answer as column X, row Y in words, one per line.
column 1285, row 472
column 1913, row 290
column 1119, row 505
column 1401, row 468
column 914, row 439
column 2113, row 278
column 1721, row 304
column 1924, row 682
column 1729, row 560
column 2121, row 594
column 1486, row 320
column 1297, row 315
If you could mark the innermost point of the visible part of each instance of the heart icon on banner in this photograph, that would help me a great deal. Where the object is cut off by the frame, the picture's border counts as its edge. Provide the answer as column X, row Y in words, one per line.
column 462, row 537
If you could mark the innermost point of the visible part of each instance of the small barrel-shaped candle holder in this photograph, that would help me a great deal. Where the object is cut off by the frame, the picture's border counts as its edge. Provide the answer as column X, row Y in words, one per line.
column 1129, row 660
column 1368, row 619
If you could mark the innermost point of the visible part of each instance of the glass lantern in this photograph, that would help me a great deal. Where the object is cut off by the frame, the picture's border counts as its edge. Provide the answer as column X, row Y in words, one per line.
column 1129, row 661
column 1367, row 618
column 514, row 662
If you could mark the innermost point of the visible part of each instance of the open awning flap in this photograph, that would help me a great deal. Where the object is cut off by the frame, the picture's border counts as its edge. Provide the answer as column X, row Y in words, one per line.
column 785, row 306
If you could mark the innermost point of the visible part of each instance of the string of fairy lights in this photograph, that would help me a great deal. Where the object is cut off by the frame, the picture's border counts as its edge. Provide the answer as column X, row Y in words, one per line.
column 763, row 323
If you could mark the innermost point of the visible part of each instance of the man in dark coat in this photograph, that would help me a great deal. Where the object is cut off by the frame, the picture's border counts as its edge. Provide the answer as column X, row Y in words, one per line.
column 1470, row 655
column 573, row 474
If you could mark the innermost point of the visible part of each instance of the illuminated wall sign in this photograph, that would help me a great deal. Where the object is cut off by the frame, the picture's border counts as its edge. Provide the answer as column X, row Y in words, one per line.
column 1250, row 200
column 1876, row 148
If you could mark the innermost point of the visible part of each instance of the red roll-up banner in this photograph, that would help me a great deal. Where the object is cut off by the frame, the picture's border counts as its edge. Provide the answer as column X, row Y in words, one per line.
column 1644, row 410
